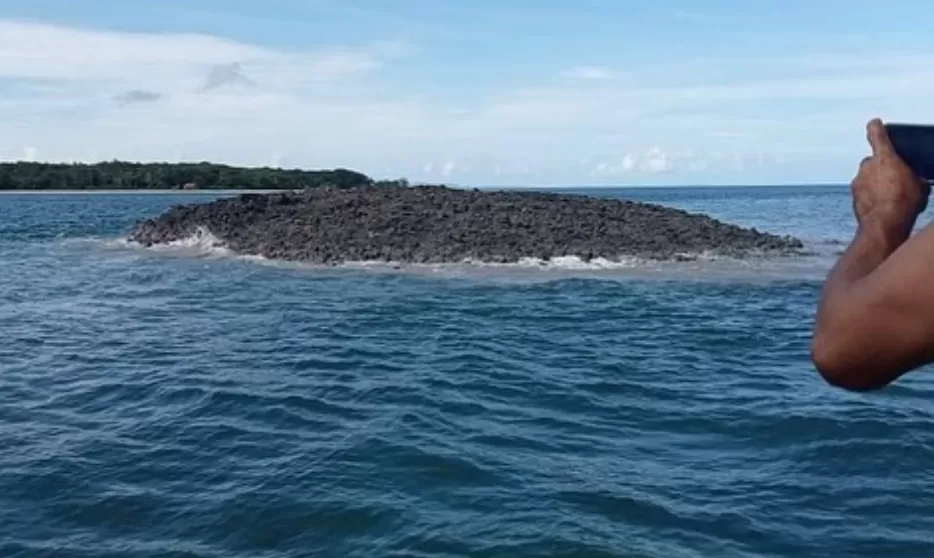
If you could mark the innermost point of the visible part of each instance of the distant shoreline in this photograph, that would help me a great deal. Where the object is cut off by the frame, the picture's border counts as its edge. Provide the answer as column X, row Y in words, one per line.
column 459, row 187
column 125, row 177
column 144, row 191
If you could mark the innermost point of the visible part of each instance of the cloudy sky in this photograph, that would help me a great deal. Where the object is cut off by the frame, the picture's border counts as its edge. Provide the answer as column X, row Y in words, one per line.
column 485, row 92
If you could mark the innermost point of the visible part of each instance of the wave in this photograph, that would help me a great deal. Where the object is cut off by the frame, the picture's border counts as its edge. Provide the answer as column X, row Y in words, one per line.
column 812, row 264
column 202, row 243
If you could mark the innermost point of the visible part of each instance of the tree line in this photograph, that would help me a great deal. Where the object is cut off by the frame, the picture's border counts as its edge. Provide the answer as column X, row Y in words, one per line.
column 118, row 175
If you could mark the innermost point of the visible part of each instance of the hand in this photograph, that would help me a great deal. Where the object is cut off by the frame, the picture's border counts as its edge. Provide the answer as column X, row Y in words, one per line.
column 886, row 191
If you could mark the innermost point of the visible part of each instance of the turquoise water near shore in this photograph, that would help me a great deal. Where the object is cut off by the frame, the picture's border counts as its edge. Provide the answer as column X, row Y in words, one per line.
column 183, row 402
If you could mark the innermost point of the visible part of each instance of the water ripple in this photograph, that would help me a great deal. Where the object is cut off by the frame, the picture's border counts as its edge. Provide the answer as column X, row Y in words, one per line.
column 159, row 406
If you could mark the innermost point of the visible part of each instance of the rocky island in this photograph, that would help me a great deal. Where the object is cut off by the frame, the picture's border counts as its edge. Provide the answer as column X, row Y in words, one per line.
column 396, row 222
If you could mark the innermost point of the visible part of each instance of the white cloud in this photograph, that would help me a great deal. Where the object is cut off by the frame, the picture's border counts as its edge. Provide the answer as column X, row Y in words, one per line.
column 222, row 75
column 652, row 161
column 63, row 84
column 276, row 159
column 589, row 73
column 656, row 161
column 155, row 60
column 31, row 50
column 448, row 168
column 341, row 105
column 138, row 96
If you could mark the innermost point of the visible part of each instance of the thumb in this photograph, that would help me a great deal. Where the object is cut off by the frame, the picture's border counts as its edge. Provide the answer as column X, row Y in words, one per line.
column 879, row 138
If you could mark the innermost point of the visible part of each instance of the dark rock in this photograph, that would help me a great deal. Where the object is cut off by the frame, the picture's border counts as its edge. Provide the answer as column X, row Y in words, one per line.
column 434, row 224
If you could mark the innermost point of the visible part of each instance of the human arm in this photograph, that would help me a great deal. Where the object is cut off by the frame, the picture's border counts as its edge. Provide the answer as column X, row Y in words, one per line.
column 875, row 320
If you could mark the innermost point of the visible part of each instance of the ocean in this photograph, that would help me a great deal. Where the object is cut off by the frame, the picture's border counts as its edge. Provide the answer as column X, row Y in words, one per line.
column 185, row 402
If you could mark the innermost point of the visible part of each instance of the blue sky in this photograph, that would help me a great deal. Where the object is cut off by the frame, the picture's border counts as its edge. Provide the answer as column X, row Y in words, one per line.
column 487, row 92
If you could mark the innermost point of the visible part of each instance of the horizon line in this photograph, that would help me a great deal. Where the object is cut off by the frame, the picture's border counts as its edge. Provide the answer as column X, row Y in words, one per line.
column 799, row 184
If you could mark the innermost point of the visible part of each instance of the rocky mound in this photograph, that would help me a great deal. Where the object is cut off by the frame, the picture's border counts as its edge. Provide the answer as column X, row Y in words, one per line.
column 439, row 224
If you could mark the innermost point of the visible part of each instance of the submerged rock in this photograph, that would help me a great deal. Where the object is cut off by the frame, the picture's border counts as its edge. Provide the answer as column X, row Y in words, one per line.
column 436, row 224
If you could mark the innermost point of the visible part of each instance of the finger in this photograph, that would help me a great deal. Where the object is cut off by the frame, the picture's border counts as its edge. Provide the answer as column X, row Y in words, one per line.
column 879, row 138
column 863, row 167
column 861, row 172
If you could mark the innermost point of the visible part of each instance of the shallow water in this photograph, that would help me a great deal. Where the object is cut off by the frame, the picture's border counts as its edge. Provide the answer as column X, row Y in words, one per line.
column 184, row 402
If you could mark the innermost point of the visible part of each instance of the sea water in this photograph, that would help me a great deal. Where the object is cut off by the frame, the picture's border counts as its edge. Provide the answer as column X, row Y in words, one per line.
column 185, row 402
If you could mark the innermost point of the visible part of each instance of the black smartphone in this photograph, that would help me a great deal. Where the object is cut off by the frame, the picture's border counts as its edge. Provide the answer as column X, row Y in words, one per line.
column 914, row 143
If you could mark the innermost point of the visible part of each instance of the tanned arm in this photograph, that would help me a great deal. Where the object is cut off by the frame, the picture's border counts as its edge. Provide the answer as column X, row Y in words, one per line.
column 875, row 321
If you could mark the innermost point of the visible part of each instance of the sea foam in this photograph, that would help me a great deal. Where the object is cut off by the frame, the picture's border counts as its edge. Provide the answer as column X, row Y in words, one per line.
column 702, row 266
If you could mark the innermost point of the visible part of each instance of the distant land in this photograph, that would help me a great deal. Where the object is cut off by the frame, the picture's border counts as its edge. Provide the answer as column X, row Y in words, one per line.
column 119, row 175
column 159, row 177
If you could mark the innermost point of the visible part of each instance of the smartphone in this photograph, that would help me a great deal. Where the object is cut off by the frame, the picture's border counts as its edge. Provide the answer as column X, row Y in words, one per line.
column 914, row 143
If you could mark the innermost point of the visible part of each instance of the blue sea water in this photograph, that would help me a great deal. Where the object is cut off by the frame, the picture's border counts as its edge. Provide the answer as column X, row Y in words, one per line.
column 183, row 402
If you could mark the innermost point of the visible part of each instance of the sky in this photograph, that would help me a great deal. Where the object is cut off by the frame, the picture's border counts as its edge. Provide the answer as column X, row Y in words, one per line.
column 479, row 92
